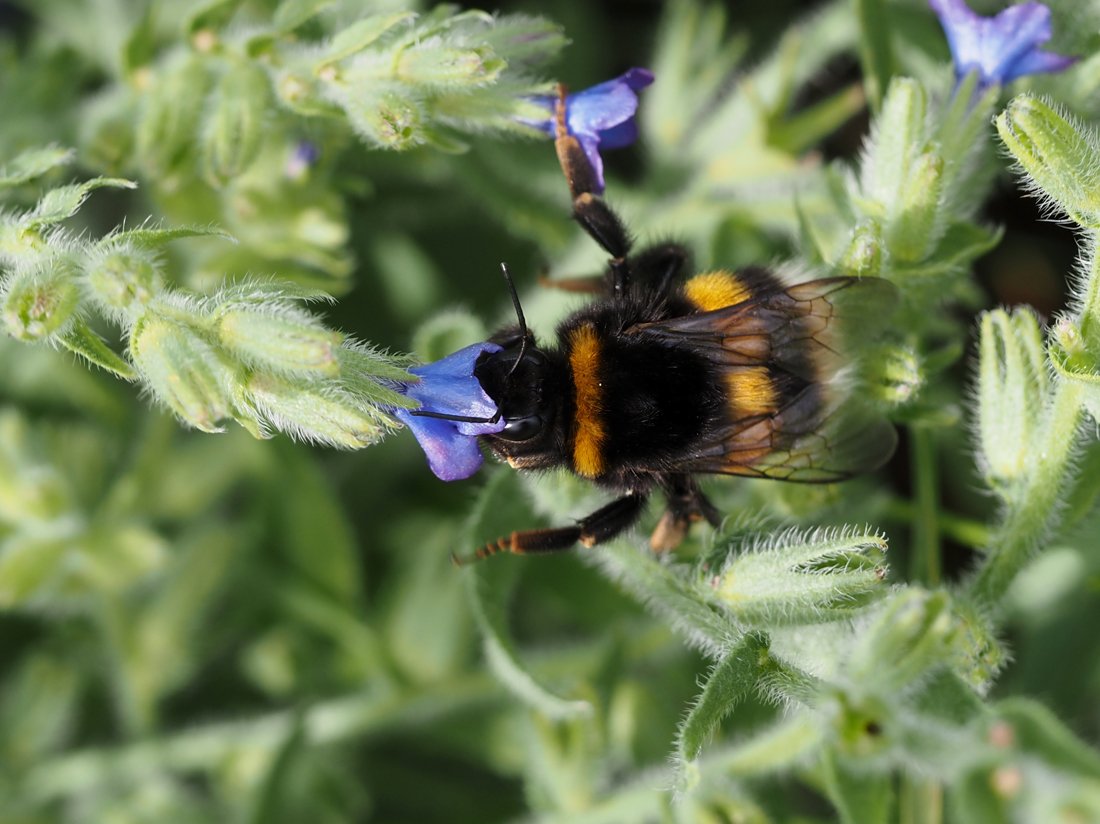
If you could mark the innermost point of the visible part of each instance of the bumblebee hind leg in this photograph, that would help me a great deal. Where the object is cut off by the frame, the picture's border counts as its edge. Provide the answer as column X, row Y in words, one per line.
column 686, row 505
column 602, row 525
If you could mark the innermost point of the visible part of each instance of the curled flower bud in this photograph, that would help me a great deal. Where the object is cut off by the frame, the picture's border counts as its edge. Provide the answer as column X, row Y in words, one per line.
column 39, row 302
column 796, row 577
column 283, row 340
column 449, row 387
column 123, row 278
column 306, row 412
column 1000, row 48
column 1013, row 386
column 601, row 117
column 184, row 371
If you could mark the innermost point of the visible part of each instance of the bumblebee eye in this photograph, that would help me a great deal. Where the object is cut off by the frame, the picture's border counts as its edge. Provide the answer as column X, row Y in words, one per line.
column 521, row 429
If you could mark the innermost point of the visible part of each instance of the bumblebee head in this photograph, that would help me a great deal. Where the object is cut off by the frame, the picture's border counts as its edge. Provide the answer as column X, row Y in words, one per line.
column 520, row 381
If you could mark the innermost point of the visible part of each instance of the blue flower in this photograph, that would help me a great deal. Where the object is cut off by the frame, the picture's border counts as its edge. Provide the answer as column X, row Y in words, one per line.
column 448, row 387
column 304, row 155
column 601, row 117
column 999, row 48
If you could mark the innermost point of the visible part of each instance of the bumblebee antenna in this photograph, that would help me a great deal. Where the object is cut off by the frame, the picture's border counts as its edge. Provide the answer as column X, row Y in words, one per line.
column 444, row 416
column 519, row 317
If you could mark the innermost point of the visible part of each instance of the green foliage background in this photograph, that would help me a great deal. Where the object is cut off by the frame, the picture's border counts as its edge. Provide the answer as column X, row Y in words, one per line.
column 222, row 627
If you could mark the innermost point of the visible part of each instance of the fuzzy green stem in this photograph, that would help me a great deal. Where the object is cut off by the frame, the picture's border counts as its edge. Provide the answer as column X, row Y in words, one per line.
column 1090, row 305
column 969, row 532
column 925, row 559
column 920, row 802
column 1034, row 508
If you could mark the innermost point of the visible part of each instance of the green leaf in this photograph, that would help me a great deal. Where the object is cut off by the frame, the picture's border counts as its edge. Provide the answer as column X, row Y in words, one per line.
column 1037, row 730
column 729, row 681
column 270, row 802
column 875, row 48
column 776, row 748
column 671, row 591
column 292, row 13
column 31, row 568
column 213, row 14
column 490, row 584
column 859, row 797
column 800, row 132
column 80, row 339
column 313, row 529
column 64, row 202
column 140, row 46
column 153, row 235
column 34, row 163
column 359, row 35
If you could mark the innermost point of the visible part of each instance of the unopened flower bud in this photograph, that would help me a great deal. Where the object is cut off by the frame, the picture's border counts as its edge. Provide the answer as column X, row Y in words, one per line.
column 235, row 122
column 796, row 577
column 431, row 65
column 909, row 636
column 390, row 119
column 863, row 257
column 917, row 222
column 284, row 340
column 308, row 413
column 1058, row 155
column 1012, row 392
column 124, row 278
column 38, row 302
column 184, row 372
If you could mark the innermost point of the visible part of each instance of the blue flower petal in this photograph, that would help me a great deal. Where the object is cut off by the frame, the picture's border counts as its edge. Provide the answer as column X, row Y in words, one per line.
column 1000, row 48
column 601, row 117
column 449, row 387
column 452, row 456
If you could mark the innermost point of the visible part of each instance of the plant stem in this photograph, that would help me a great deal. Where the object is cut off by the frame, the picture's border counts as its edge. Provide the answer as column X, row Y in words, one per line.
column 920, row 800
column 1034, row 508
column 969, row 532
column 925, row 559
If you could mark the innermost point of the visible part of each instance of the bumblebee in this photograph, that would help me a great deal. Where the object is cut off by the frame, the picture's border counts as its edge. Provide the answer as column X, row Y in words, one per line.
column 662, row 379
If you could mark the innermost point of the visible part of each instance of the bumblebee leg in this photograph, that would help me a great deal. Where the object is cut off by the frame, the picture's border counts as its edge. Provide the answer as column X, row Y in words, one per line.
column 686, row 505
column 660, row 266
column 584, row 285
column 589, row 209
column 657, row 266
column 602, row 525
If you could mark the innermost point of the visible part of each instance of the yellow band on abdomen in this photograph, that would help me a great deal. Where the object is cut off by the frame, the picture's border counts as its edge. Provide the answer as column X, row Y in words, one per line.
column 751, row 392
column 589, row 437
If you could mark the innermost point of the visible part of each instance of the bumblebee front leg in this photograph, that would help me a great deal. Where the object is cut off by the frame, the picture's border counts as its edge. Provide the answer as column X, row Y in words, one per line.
column 589, row 209
column 602, row 525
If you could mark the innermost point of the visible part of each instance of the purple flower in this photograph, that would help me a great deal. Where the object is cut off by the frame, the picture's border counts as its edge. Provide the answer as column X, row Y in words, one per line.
column 304, row 155
column 999, row 48
column 449, row 387
column 601, row 117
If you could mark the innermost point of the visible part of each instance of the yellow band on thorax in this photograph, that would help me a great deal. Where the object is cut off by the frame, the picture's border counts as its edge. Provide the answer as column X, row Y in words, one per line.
column 588, row 440
column 716, row 290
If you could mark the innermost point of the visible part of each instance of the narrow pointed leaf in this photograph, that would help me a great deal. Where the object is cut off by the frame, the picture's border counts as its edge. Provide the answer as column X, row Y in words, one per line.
column 81, row 340
column 34, row 163
column 729, row 682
